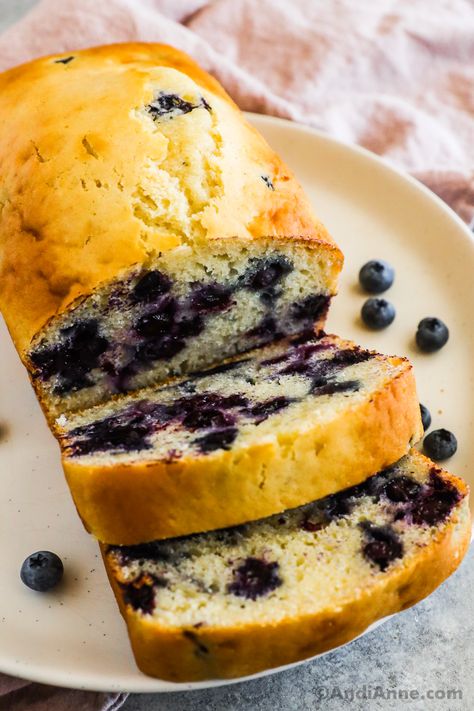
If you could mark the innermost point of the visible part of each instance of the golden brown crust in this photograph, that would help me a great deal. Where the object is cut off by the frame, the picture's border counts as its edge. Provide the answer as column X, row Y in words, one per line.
column 73, row 155
column 127, row 504
column 170, row 654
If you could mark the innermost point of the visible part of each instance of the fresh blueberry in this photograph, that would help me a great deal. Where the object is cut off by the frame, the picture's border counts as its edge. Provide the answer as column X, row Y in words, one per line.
column 377, row 313
column 42, row 571
column 376, row 276
column 254, row 578
column 432, row 334
column 440, row 444
column 425, row 417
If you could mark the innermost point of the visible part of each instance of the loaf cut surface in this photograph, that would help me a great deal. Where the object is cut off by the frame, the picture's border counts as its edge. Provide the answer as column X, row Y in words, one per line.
column 271, row 429
column 146, row 229
column 279, row 590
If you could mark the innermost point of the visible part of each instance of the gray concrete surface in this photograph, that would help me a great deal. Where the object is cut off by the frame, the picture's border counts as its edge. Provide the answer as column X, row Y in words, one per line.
column 426, row 651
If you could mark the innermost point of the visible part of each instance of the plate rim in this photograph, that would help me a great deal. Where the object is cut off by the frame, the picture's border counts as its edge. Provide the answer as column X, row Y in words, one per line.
column 142, row 683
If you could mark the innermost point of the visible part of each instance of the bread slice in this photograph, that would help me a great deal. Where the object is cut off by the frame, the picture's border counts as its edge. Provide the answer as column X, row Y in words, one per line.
column 269, row 430
column 146, row 229
column 237, row 601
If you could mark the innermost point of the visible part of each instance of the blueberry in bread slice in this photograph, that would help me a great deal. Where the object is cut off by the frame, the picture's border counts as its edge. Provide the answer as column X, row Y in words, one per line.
column 266, row 431
column 146, row 230
column 234, row 602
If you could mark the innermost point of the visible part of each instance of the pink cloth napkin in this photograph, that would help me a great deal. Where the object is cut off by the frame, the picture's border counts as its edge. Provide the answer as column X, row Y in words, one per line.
column 20, row 695
column 396, row 76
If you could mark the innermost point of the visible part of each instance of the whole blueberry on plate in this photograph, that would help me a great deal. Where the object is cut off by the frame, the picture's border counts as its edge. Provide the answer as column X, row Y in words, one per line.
column 425, row 417
column 42, row 571
column 440, row 444
column 377, row 313
column 432, row 334
column 376, row 276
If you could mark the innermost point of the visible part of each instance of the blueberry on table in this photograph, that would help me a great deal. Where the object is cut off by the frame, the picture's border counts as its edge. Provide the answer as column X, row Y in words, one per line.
column 376, row 276
column 432, row 334
column 377, row 313
column 440, row 444
column 425, row 417
column 42, row 571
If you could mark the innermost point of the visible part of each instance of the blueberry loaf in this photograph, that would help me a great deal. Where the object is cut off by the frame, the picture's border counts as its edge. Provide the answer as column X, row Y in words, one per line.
column 236, row 601
column 146, row 229
column 263, row 432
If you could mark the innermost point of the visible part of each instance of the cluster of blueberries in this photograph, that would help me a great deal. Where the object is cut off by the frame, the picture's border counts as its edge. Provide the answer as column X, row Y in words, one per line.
column 375, row 277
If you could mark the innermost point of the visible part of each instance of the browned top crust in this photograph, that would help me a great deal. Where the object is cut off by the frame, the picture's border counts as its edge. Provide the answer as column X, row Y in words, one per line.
column 93, row 180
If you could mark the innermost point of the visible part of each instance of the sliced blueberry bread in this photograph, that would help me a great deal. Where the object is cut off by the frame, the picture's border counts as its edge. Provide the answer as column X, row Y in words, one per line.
column 263, row 432
column 233, row 602
column 146, row 229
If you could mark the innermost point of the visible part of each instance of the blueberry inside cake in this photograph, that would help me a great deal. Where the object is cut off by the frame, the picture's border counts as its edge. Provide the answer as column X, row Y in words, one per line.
column 156, row 324
column 291, row 385
column 377, row 546
column 273, row 428
column 152, row 231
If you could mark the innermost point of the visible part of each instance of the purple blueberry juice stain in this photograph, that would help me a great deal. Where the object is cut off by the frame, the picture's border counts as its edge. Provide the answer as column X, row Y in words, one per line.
column 150, row 286
column 80, row 352
column 210, row 298
column 324, row 387
column 129, row 430
column 435, row 501
column 382, row 546
column 401, row 489
column 156, row 551
column 254, row 578
column 310, row 309
column 208, row 418
column 263, row 274
column 266, row 331
column 159, row 321
column 133, row 428
column 263, row 410
column 140, row 593
column 217, row 439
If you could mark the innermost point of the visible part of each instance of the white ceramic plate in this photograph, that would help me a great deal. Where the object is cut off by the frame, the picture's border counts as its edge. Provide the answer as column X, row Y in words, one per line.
column 75, row 636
